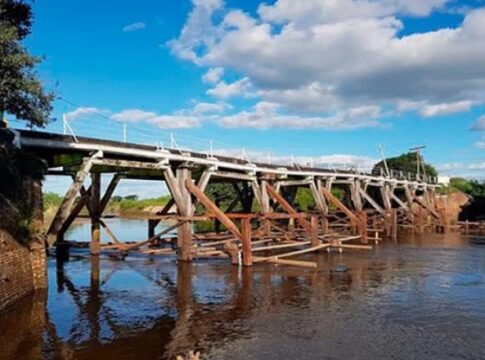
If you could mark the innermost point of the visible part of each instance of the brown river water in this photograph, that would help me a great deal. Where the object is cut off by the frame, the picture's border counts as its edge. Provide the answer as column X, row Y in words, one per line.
column 422, row 297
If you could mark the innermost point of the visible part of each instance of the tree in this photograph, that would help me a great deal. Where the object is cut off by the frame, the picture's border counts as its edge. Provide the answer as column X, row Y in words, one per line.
column 21, row 92
column 406, row 163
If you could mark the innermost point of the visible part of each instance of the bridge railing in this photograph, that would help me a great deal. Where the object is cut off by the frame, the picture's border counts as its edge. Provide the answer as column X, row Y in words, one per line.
column 163, row 139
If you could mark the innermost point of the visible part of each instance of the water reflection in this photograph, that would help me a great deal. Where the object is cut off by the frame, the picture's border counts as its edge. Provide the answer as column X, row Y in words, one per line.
column 420, row 298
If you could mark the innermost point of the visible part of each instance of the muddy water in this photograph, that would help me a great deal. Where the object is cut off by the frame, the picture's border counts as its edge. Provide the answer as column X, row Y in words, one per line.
column 421, row 298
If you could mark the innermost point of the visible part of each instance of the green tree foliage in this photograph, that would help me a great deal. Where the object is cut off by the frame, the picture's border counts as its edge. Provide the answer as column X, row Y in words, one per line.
column 21, row 92
column 406, row 163
column 470, row 187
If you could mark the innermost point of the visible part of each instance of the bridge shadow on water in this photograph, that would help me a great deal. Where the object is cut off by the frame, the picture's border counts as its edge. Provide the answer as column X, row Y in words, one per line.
column 419, row 298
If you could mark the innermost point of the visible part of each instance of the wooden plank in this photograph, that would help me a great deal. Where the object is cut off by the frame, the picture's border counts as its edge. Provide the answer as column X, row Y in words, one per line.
column 307, row 264
column 281, row 246
column 286, row 206
column 293, row 253
column 210, row 206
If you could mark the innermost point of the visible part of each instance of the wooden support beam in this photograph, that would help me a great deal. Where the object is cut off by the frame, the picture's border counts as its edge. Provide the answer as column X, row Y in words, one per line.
column 95, row 244
column 371, row 201
column 109, row 191
column 184, row 234
column 295, row 183
column 286, row 206
column 362, row 215
column 386, row 196
column 314, row 231
column 210, row 206
column 400, row 202
column 427, row 208
column 331, row 198
column 65, row 208
column 129, row 164
column 175, row 190
column 246, row 242
column 355, row 193
column 109, row 232
column 72, row 216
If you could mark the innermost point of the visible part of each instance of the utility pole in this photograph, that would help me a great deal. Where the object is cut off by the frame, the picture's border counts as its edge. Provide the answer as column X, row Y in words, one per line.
column 419, row 160
column 384, row 161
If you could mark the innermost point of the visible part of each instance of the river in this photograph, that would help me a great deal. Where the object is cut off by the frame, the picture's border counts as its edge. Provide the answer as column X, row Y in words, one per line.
column 422, row 297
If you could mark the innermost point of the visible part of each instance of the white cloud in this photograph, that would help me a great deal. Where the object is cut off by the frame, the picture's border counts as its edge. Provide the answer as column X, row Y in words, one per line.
column 133, row 115
column 477, row 166
column 84, row 112
column 174, row 121
column 326, row 55
column 480, row 144
column 134, row 27
column 198, row 31
column 210, row 108
column 445, row 108
column 163, row 121
column 213, row 75
column 480, row 124
column 224, row 90
column 266, row 115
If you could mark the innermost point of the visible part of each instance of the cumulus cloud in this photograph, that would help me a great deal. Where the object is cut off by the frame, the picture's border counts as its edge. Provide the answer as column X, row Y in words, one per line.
column 210, row 108
column 174, row 121
column 224, row 90
column 134, row 27
column 82, row 112
column 163, row 121
column 267, row 115
column 331, row 56
column 213, row 75
column 133, row 115
column 445, row 108
column 480, row 124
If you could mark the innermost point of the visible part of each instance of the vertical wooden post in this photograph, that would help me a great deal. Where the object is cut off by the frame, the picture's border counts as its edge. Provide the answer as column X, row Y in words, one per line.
column 246, row 242
column 314, row 231
column 184, row 234
column 95, row 245
column 362, row 215
column 393, row 221
column 265, row 206
column 152, row 224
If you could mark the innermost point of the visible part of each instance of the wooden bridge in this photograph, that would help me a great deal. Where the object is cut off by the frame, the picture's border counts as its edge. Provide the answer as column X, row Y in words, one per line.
column 374, row 205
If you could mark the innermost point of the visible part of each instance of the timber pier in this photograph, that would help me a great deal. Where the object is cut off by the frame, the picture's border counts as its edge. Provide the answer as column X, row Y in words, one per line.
column 374, row 206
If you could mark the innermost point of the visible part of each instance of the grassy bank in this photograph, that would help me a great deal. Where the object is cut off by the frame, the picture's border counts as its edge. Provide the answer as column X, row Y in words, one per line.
column 117, row 205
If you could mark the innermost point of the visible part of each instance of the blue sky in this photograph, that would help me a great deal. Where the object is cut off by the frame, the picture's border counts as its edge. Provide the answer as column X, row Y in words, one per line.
column 308, row 78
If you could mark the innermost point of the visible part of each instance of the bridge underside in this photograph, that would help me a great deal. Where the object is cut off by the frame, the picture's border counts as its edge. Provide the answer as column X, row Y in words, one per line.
column 262, row 223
